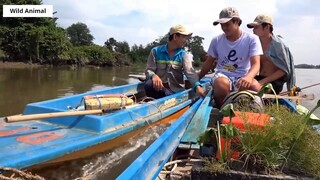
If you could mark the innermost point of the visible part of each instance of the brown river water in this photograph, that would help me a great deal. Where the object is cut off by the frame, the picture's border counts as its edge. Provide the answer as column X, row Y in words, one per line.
column 23, row 85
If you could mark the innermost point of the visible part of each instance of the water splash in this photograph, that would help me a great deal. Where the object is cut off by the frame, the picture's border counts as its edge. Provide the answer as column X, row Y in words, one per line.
column 106, row 165
column 100, row 165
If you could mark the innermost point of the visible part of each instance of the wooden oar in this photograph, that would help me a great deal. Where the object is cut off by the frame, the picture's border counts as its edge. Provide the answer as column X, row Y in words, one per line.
column 302, row 97
column 141, row 78
column 17, row 118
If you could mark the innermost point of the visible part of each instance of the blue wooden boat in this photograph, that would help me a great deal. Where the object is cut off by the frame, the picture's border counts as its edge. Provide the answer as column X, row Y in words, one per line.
column 181, row 134
column 37, row 143
column 149, row 164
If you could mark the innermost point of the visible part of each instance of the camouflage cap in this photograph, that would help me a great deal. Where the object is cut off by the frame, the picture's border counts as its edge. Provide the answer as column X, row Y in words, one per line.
column 226, row 15
column 262, row 18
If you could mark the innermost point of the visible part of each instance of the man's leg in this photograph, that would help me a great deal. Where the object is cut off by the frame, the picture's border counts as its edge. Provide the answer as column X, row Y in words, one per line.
column 151, row 92
column 221, row 88
column 255, row 86
column 168, row 91
column 277, row 86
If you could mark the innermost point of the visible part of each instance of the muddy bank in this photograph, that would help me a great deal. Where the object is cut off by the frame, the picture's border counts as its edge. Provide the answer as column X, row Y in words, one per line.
column 17, row 65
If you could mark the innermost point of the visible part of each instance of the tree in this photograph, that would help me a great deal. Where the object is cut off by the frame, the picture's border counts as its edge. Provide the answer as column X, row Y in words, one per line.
column 79, row 34
column 139, row 53
column 122, row 47
column 31, row 39
column 196, row 48
column 110, row 44
column 115, row 46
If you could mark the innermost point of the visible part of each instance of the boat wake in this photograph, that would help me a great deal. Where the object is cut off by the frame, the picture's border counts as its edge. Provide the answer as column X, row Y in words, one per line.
column 104, row 165
column 101, row 165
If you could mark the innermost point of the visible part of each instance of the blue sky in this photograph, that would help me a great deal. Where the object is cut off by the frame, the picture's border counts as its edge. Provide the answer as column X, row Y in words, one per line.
column 143, row 21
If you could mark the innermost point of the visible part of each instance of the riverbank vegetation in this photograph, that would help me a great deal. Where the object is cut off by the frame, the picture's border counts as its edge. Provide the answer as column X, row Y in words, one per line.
column 307, row 66
column 42, row 41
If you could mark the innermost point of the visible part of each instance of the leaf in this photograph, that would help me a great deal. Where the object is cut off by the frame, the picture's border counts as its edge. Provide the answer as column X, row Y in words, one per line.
column 265, row 89
column 228, row 110
column 206, row 137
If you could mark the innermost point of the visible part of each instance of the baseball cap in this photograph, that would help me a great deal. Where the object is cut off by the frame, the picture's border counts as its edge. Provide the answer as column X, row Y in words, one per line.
column 226, row 15
column 262, row 18
column 179, row 29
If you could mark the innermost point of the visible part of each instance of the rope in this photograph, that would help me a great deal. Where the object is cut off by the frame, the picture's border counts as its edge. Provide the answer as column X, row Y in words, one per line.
column 172, row 172
column 133, row 97
column 21, row 174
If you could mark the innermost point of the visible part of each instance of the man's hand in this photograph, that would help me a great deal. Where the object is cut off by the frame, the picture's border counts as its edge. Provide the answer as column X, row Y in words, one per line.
column 157, row 83
column 200, row 91
column 244, row 82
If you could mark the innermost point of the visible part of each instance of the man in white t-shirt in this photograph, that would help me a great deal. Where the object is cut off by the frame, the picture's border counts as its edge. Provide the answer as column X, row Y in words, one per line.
column 236, row 55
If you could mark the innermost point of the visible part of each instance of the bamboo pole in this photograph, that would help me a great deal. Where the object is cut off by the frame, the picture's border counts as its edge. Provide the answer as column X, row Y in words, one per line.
column 17, row 118
column 303, row 97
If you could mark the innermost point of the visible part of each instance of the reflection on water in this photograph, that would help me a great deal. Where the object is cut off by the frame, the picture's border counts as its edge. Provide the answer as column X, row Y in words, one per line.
column 22, row 86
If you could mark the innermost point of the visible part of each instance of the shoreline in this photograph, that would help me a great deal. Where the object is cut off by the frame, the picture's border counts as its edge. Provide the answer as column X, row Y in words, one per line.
column 18, row 65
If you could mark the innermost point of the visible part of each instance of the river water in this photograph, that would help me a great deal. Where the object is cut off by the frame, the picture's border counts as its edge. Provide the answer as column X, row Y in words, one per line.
column 20, row 86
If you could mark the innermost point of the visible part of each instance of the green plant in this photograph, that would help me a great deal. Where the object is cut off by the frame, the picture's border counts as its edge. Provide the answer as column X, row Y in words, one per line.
column 228, row 131
column 305, row 122
column 287, row 139
column 207, row 137
column 267, row 146
column 267, row 87
column 305, row 156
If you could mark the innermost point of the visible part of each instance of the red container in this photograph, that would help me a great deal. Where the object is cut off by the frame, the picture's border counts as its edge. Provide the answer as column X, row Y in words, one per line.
column 242, row 120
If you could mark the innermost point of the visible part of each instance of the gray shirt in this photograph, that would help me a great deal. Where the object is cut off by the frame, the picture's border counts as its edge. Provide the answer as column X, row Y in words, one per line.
column 172, row 70
column 281, row 57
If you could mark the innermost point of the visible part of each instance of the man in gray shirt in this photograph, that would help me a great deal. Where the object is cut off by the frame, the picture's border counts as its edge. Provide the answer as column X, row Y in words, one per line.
column 167, row 64
column 277, row 66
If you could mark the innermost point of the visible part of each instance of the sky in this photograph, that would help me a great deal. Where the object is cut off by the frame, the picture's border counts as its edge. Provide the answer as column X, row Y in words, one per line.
column 143, row 21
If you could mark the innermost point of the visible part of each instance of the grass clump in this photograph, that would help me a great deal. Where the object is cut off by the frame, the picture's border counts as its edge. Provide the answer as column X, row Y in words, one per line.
column 286, row 144
column 266, row 147
column 305, row 156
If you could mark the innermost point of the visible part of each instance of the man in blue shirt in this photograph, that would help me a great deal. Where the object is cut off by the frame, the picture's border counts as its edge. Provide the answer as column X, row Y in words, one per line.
column 167, row 64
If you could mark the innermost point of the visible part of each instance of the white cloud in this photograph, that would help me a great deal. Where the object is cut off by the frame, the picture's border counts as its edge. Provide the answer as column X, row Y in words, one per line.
column 143, row 21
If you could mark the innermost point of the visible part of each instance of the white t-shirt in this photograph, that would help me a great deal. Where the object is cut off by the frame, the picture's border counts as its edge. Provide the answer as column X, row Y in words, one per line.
column 234, row 57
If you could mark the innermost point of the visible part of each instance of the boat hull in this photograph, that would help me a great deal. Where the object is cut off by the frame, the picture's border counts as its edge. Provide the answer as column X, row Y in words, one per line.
column 52, row 140
column 107, row 145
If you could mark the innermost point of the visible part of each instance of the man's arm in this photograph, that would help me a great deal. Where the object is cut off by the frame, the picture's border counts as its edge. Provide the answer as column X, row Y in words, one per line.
column 275, row 76
column 151, row 72
column 245, row 82
column 151, row 66
column 191, row 74
column 255, row 66
column 206, row 66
